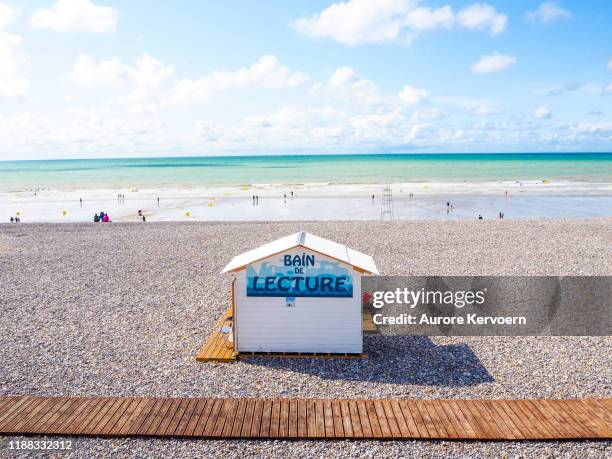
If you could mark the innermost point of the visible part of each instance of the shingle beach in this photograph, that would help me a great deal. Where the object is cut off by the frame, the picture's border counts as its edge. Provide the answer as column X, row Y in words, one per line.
column 122, row 308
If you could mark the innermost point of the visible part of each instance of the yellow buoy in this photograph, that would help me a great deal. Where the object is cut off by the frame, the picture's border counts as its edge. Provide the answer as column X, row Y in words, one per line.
column 545, row 181
column 64, row 212
column 210, row 204
column 244, row 187
column 188, row 214
column 18, row 213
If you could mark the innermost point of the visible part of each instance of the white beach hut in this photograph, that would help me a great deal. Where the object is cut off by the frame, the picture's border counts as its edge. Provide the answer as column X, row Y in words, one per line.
column 299, row 294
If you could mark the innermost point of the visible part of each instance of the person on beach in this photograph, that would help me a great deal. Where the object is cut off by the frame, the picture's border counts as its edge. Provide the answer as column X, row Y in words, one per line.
column 372, row 197
column 101, row 216
column 81, row 201
column 447, row 204
column 12, row 219
column 257, row 200
column 106, row 219
column 480, row 217
column 158, row 201
column 96, row 218
column 292, row 195
column 144, row 219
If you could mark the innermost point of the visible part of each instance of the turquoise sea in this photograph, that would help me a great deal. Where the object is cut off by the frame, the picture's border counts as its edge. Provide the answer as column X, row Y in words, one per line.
column 335, row 169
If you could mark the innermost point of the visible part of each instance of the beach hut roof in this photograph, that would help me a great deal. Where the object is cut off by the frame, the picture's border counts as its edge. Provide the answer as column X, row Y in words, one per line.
column 332, row 249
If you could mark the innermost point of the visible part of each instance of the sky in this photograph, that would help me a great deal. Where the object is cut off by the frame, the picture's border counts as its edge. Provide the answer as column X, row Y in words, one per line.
column 105, row 78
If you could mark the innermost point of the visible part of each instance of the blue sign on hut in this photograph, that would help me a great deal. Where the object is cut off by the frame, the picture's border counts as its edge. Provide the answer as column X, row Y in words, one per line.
column 300, row 293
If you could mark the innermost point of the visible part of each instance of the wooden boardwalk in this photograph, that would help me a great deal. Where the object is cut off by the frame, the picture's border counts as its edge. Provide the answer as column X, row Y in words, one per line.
column 263, row 418
column 219, row 347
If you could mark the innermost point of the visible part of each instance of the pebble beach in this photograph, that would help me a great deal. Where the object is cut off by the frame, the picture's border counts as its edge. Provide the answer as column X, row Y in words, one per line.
column 122, row 308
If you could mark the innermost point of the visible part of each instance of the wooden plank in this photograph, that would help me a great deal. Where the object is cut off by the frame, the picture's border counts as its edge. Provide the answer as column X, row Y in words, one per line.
column 498, row 431
column 548, row 430
column 381, row 417
column 373, row 418
column 338, row 422
column 46, row 421
column 176, row 419
column 78, row 424
column 293, row 418
column 123, row 427
column 239, row 419
column 212, row 418
column 113, row 406
column 203, row 417
column 308, row 418
column 275, row 418
column 311, row 418
column 266, row 418
column 302, row 421
column 564, row 430
column 599, row 417
column 217, row 429
column 183, row 424
column 355, row 419
column 121, row 412
column 158, row 417
column 283, row 429
column 148, row 417
column 328, row 419
column 447, row 421
column 232, row 409
column 500, row 415
column 320, row 419
column 13, row 410
column 20, row 422
column 257, row 417
column 528, row 428
column 248, row 418
column 472, row 419
column 366, row 428
column 391, row 419
column 582, row 416
column 347, row 423
column 426, row 419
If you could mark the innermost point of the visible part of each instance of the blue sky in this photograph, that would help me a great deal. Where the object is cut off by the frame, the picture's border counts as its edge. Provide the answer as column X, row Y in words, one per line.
column 102, row 78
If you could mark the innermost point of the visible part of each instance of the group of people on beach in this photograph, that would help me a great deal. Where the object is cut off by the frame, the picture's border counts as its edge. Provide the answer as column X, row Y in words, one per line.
column 15, row 220
column 102, row 217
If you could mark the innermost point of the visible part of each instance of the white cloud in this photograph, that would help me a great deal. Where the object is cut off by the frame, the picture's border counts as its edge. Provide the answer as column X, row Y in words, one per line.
column 493, row 63
column 486, row 110
column 12, row 86
column 347, row 85
column 76, row 16
column 482, row 16
column 266, row 73
column 88, row 73
column 549, row 12
column 542, row 113
column 610, row 64
column 143, row 79
column 412, row 96
column 357, row 22
column 424, row 18
column 7, row 15
column 608, row 88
